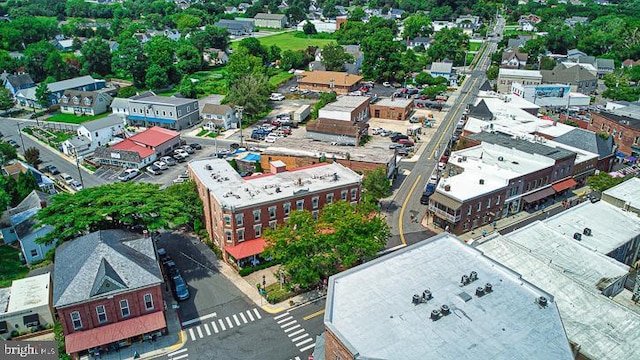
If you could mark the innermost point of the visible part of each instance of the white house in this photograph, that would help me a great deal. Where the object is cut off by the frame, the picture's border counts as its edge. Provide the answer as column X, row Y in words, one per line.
column 222, row 116
column 93, row 134
column 26, row 305
column 84, row 102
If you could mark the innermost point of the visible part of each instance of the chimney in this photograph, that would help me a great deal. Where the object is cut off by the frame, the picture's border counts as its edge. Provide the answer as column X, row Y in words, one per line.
column 277, row 167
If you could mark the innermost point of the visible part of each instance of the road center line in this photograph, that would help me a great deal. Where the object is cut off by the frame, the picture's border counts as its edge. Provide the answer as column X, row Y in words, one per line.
column 313, row 315
column 404, row 205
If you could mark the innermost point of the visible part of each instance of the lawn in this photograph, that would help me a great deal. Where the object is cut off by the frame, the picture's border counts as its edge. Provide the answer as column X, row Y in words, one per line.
column 288, row 41
column 475, row 45
column 279, row 78
column 74, row 119
column 11, row 266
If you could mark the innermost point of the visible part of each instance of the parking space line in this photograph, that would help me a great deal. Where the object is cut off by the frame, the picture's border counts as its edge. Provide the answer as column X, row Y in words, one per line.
column 215, row 328
column 304, row 342
column 206, row 328
column 288, row 324
column 192, row 335
column 235, row 318
column 292, row 328
column 222, row 325
column 229, row 322
column 244, row 319
column 296, row 332
column 284, row 320
column 250, row 316
column 199, row 332
column 180, row 357
column 258, row 314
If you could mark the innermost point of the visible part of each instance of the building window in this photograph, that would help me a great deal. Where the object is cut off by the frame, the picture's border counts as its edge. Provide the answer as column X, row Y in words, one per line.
column 300, row 204
column 354, row 194
column 620, row 135
column 479, row 206
column 498, row 200
column 124, row 308
column 314, row 213
column 227, row 220
column 258, row 230
column 272, row 224
column 256, row 215
column 636, row 140
column 240, row 233
column 239, row 219
column 148, row 302
column 315, row 201
column 469, row 210
column 102, row 314
column 272, row 212
column 287, row 208
column 34, row 252
column 601, row 126
column 488, row 203
column 343, row 195
column 75, row 319
column 329, row 198
column 227, row 235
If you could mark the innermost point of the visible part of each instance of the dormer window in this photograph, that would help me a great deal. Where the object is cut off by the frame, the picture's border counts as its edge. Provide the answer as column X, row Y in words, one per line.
column 87, row 101
column 76, row 101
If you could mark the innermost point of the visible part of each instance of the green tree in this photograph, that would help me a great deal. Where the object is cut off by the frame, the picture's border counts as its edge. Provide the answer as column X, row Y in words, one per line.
column 357, row 14
column 492, row 72
column 251, row 92
column 254, row 48
column 156, row 77
column 334, row 57
column 10, row 188
column 189, row 59
column 130, row 61
column 603, row 181
column 241, row 62
column 547, row 63
column 25, row 184
column 32, row 156
column 96, row 57
column 187, row 193
column 449, row 44
column 309, row 29
column 113, row 206
column 295, row 13
column 160, row 51
column 417, row 25
column 311, row 250
column 43, row 95
column 382, row 54
column 7, row 153
column 187, row 88
column 210, row 37
column 56, row 67
column 291, row 60
column 35, row 56
column 187, row 22
column 6, row 102
column 376, row 185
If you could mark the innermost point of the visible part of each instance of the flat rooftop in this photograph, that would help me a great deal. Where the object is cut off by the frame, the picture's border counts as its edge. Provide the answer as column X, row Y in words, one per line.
column 234, row 191
column 30, row 292
column 346, row 103
column 163, row 100
column 603, row 328
column 521, row 73
column 397, row 102
column 627, row 191
column 370, row 309
column 604, row 237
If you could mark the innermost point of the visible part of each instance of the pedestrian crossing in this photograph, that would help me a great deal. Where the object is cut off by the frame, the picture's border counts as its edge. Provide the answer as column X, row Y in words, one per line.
column 181, row 354
column 296, row 333
column 214, row 326
column 296, row 358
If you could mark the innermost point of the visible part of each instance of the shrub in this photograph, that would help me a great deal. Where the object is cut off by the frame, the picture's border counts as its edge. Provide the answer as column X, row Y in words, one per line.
column 248, row 270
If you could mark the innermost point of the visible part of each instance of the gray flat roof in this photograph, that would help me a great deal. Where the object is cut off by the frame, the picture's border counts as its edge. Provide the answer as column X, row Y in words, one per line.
column 604, row 237
column 163, row 100
column 522, row 145
column 398, row 102
column 628, row 191
column 369, row 308
column 346, row 103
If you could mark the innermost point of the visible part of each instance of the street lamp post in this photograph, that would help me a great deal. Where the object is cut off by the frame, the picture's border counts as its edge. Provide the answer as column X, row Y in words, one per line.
column 239, row 110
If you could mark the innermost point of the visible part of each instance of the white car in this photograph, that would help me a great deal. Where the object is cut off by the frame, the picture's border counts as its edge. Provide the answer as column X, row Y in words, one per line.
column 270, row 139
column 276, row 97
column 181, row 152
column 66, row 178
column 161, row 165
column 188, row 149
column 75, row 185
column 168, row 160
column 128, row 174
column 386, row 84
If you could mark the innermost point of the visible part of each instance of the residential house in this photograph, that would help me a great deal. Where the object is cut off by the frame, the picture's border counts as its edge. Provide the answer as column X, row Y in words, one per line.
column 605, row 66
column 65, row 44
column 277, row 21
column 107, row 290
column 358, row 58
column 532, row 18
column 26, row 305
column 238, row 210
column 214, row 57
column 84, row 102
column 236, row 27
column 15, row 83
column 574, row 54
column 574, row 20
column 113, row 46
column 578, row 78
column 515, row 44
column 143, row 37
column 93, row 134
column 526, row 25
column 590, row 141
column 628, row 63
column 393, row 108
column 468, row 23
column 420, row 41
column 220, row 116
column 327, row 81
column 27, row 97
column 343, row 121
column 14, row 169
column 373, row 311
column 20, row 224
column 506, row 77
column 444, row 69
column 169, row 112
column 514, row 60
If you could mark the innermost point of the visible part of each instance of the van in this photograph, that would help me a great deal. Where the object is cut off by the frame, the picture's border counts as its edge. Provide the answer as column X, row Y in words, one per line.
column 66, row 178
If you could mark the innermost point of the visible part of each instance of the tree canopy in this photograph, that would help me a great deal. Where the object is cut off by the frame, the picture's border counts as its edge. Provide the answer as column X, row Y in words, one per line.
column 376, row 185
column 603, row 181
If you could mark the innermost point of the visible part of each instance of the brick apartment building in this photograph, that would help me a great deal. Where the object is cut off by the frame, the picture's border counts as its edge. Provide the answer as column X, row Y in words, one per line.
column 107, row 291
column 238, row 210
column 625, row 131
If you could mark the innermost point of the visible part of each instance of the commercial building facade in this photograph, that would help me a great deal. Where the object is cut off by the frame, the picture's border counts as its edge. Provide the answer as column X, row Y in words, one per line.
column 168, row 112
column 393, row 109
column 625, row 130
column 343, row 121
column 341, row 83
column 506, row 77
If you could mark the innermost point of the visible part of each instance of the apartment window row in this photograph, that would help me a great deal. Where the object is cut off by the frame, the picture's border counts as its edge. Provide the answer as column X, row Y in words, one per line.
column 101, row 311
column 142, row 111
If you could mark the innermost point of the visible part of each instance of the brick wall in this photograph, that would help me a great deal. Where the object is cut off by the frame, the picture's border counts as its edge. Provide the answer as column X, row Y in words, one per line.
column 334, row 349
column 625, row 137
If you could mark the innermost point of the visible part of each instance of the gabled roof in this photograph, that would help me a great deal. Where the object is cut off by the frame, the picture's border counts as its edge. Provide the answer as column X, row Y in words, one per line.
column 526, row 146
column 507, row 55
column 486, row 86
column 562, row 74
column 18, row 81
column 587, row 141
column 28, row 207
column 605, row 63
column 85, row 266
column 481, row 111
column 265, row 16
column 154, row 136
column 126, row 145
column 71, row 83
column 105, row 122
column 215, row 109
column 441, row 67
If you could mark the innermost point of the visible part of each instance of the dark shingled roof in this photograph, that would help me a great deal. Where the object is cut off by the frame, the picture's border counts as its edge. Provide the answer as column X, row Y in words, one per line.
column 481, row 111
column 103, row 262
column 564, row 75
column 34, row 200
column 523, row 145
column 587, row 141
column 486, row 86
column 18, row 81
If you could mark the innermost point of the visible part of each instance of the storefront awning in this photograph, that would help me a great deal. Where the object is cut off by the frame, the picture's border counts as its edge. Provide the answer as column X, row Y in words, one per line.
column 246, row 248
column 564, row 185
column 111, row 333
column 538, row 195
column 445, row 201
column 620, row 154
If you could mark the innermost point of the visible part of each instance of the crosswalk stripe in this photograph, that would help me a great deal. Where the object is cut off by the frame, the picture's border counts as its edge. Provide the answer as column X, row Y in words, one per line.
column 304, row 342
column 284, row 319
column 244, row 319
column 257, row 313
column 286, row 313
column 222, row 325
column 300, row 337
column 250, row 316
column 199, row 332
column 192, row 335
column 176, row 352
column 292, row 328
column 180, row 357
column 307, row 347
column 296, row 332
column 235, row 318
column 206, row 328
column 229, row 322
column 215, row 328
column 288, row 324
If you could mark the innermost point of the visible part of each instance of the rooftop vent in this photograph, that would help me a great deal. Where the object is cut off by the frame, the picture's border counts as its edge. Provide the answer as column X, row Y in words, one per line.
column 577, row 236
column 586, row 231
column 426, row 295
column 542, row 301
column 416, row 299
column 465, row 280
column 435, row 314
column 480, row 291
column 444, row 309
column 335, row 176
column 464, row 158
column 447, row 187
column 473, row 276
column 208, row 167
column 459, row 160
column 488, row 288
column 500, row 158
column 481, row 181
column 278, row 189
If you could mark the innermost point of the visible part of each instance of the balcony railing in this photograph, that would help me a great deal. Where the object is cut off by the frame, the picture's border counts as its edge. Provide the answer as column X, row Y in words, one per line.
column 445, row 215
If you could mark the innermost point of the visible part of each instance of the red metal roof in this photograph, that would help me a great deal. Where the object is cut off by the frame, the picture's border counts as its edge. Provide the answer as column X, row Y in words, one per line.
column 121, row 330
column 564, row 185
column 129, row 145
column 155, row 136
column 246, row 248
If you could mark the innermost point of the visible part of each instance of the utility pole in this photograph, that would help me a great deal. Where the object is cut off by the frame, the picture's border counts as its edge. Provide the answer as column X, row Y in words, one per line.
column 75, row 152
column 239, row 110
column 21, row 139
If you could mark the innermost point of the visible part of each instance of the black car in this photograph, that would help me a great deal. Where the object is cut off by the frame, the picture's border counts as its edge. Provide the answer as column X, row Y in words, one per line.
column 162, row 255
column 196, row 146
column 396, row 138
column 424, row 199
column 234, row 146
column 13, row 143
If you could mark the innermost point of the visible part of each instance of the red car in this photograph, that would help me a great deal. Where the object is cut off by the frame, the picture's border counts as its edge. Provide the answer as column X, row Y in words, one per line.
column 364, row 89
column 420, row 105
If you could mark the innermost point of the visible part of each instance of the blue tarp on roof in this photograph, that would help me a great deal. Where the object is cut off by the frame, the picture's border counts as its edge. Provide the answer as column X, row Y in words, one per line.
column 251, row 157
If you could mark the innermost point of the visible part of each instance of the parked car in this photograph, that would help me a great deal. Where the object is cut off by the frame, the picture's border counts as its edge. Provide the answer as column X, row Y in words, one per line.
column 195, row 146
column 398, row 137
column 441, row 166
column 270, row 139
column 181, row 152
column 180, row 288
column 51, row 169
column 13, row 143
column 66, row 178
column 76, row 185
column 386, row 84
column 179, row 158
column 161, row 165
column 395, row 146
column 128, row 174
column 154, row 170
column 402, row 152
column 246, row 173
column 184, row 175
column 406, row 142
column 424, row 199
column 188, row 149
column 168, row 160
column 179, row 180
column 276, row 97
column 162, row 254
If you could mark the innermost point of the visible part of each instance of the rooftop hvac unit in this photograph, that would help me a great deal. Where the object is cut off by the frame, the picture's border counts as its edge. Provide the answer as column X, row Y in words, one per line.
column 542, row 301
column 473, row 276
column 444, row 309
column 479, row 291
column 481, row 181
column 208, row 167
column 500, row 158
column 435, row 314
column 488, row 288
column 459, row 160
column 415, row 299
column 447, row 187
column 465, row 280
column 577, row 236
column 426, row 295
column 586, row 231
